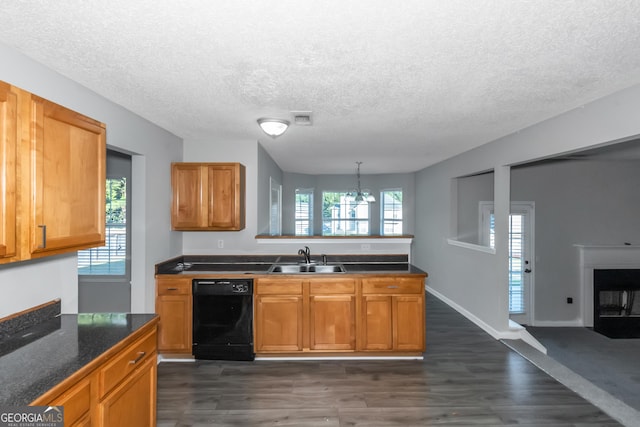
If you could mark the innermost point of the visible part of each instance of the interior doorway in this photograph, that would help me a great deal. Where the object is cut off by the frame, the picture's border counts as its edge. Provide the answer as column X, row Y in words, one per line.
column 521, row 253
column 104, row 273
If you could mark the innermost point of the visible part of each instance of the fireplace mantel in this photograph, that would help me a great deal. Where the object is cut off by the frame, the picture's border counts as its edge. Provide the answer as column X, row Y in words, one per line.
column 593, row 257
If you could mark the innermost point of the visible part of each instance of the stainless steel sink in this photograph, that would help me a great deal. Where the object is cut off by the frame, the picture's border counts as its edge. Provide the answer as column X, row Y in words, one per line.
column 306, row 268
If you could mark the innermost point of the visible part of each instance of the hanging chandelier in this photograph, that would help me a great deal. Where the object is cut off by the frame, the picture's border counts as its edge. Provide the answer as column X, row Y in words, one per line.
column 359, row 195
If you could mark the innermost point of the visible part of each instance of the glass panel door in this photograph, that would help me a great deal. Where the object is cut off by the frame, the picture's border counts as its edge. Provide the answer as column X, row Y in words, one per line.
column 520, row 252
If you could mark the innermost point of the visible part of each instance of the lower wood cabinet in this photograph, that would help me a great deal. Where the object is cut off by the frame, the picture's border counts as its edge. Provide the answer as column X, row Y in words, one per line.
column 279, row 315
column 128, row 404
column 294, row 315
column 116, row 389
column 77, row 404
column 174, row 306
column 330, row 314
column 393, row 316
column 311, row 314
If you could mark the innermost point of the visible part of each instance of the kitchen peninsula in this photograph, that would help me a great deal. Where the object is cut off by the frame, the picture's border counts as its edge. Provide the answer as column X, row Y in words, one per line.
column 101, row 367
column 332, row 306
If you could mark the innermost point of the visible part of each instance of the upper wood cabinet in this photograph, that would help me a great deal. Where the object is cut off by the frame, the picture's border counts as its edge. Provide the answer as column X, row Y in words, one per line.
column 68, row 166
column 52, row 171
column 208, row 196
column 8, row 145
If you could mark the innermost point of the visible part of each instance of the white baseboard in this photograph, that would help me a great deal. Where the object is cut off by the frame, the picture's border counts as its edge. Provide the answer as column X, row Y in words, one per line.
column 515, row 332
column 559, row 323
column 171, row 359
column 320, row 357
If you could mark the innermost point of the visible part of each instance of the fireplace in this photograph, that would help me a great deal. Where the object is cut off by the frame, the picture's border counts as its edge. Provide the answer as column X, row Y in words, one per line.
column 616, row 302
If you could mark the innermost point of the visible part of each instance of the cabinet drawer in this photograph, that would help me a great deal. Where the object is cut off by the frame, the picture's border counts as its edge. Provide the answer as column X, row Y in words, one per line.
column 332, row 287
column 76, row 402
column 126, row 362
column 173, row 287
column 278, row 287
column 392, row 285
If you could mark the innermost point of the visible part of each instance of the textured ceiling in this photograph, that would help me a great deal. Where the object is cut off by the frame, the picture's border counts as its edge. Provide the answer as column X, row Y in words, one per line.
column 396, row 85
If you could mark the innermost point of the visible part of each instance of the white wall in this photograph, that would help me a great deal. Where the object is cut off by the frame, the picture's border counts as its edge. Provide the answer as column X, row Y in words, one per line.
column 25, row 285
column 475, row 281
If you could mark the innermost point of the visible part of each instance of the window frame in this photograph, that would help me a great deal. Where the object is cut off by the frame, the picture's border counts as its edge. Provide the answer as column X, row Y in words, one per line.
column 384, row 220
column 342, row 221
column 309, row 211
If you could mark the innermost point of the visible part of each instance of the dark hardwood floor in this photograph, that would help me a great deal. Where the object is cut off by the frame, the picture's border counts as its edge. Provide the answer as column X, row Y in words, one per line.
column 466, row 378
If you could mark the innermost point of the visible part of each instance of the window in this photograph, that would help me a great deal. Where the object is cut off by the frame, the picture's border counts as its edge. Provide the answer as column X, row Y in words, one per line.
column 275, row 212
column 391, row 212
column 341, row 217
column 304, row 212
column 112, row 258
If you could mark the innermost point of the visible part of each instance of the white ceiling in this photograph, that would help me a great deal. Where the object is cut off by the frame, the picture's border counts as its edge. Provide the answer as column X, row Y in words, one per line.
column 397, row 85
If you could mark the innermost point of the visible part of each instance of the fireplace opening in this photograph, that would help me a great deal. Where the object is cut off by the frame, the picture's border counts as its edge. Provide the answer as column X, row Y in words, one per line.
column 616, row 302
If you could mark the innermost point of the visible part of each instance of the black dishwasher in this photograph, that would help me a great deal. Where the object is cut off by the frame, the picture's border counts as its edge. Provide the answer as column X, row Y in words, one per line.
column 223, row 319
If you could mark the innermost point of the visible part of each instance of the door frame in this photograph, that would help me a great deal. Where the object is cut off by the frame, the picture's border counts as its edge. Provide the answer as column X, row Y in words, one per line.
column 112, row 292
column 528, row 209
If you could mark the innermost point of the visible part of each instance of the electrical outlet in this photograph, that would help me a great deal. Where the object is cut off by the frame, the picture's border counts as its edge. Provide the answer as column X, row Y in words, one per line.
column 569, row 300
column 365, row 246
column 220, row 244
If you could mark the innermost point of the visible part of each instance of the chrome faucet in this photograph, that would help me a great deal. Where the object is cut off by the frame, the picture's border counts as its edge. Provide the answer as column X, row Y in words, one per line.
column 306, row 254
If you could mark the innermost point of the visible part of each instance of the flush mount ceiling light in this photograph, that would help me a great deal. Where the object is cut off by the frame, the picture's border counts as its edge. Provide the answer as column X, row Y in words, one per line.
column 273, row 127
column 359, row 195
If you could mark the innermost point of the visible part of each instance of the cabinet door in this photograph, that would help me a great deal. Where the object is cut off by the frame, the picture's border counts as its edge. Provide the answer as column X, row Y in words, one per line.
column 8, row 144
column 174, row 328
column 332, row 313
column 332, row 323
column 188, row 209
column 133, row 402
column 279, row 323
column 174, row 306
column 208, row 196
column 68, row 170
column 377, row 322
column 408, row 323
column 77, row 404
column 225, row 187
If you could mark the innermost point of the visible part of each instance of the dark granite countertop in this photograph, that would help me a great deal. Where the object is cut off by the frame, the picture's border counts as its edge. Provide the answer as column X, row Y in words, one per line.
column 39, row 358
column 260, row 264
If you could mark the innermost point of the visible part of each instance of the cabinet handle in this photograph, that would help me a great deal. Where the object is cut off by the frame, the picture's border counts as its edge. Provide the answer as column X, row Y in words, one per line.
column 392, row 287
column 44, row 236
column 141, row 354
column 172, row 289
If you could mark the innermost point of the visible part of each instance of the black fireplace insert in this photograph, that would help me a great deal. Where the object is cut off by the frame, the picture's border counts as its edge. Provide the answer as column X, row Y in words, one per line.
column 616, row 308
